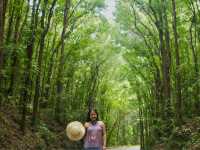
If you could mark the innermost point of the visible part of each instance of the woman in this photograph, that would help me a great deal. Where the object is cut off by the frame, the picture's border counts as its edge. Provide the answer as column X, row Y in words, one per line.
column 95, row 137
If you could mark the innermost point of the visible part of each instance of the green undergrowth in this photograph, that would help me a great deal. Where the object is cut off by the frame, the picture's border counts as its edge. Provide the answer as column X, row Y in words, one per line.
column 185, row 137
column 48, row 136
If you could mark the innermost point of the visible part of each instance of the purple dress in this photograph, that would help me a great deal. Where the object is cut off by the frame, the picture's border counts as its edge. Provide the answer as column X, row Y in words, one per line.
column 94, row 137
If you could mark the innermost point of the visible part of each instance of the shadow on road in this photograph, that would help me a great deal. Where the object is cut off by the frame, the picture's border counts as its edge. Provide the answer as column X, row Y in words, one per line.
column 125, row 148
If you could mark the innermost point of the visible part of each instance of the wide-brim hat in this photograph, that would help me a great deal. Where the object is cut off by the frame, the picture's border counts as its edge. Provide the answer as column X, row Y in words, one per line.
column 75, row 131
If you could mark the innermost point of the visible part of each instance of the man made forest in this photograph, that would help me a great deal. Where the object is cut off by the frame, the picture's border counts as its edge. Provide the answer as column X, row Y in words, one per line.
column 139, row 67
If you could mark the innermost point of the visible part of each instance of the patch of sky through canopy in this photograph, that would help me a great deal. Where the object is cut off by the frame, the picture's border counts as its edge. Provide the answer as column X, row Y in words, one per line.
column 109, row 9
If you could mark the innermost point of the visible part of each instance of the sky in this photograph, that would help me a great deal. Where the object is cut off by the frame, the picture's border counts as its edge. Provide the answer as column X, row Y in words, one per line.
column 110, row 8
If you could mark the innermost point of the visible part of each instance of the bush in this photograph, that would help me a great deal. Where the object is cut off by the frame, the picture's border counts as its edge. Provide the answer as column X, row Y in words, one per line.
column 46, row 134
column 179, row 138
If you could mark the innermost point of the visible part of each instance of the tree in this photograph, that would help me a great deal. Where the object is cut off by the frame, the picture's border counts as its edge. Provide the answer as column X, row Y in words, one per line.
column 3, row 6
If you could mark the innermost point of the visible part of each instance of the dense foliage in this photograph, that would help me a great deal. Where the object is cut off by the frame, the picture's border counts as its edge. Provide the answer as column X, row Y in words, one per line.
column 161, row 44
column 59, row 59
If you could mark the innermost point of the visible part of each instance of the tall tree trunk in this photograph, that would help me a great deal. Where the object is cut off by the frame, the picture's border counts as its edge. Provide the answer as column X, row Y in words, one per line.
column 14, row 53
column 161, row 47
column 142, row 138
column 25, row 93
column 39, row 64
column 40, row 58
column 196, row 67
column 194, row 48
column 158, row 94
column 93, row 86
column 3, row 6
column 1, row 34
column 166, row 60
column 51, row 63
column 12, row 11
column 59, row 84
column 178, row 73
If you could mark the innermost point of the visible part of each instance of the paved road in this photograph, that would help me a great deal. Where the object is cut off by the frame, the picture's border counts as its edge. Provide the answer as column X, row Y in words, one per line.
column 126, row 148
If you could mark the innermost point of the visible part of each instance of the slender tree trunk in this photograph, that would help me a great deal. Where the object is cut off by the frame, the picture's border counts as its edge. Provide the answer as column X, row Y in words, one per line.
column 1, row 34
column 38, row 77
column 59, row 84
column 161, row 47
column 142, row 138
column 3, row 5
column 115, row 125
column 93, row 86
column 12, row 11
column 196, row 68
column 178, row 73
column 193, row 32
column 158, row 94
column 25, row 93
column 15, row 60
column 50, row 69
column 166, row 60
column 40, row 58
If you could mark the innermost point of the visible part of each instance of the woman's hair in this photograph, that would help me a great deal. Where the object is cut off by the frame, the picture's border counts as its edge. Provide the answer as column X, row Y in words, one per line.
column 89, row 112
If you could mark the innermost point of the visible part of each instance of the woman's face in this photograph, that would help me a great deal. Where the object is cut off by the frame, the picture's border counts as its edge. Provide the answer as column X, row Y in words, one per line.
column 93, row 116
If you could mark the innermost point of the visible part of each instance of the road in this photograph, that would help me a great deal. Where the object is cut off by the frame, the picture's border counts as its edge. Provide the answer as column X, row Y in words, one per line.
column 126, row 148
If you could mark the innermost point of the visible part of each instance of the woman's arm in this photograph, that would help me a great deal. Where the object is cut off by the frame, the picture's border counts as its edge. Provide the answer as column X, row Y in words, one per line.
column 86, row 125
column 104, row 135
column 104, row 138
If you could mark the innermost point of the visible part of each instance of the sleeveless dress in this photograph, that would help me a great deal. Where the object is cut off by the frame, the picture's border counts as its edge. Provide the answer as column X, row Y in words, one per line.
column 94, row 137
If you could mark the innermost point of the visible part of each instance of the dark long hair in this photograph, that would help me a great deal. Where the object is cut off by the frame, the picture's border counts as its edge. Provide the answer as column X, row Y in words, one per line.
column 88, row 115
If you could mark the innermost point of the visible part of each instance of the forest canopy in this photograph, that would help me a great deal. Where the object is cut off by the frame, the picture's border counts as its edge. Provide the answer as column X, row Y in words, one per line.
column 140, row 69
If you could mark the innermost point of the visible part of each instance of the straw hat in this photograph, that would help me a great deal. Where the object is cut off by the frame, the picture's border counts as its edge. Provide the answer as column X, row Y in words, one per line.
column 75, row 131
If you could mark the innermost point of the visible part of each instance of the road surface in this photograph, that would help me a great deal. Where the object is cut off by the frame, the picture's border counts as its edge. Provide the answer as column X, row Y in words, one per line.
column 126, row 148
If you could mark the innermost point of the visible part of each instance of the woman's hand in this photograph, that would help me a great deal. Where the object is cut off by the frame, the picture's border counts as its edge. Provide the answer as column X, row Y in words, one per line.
column 104, row 148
